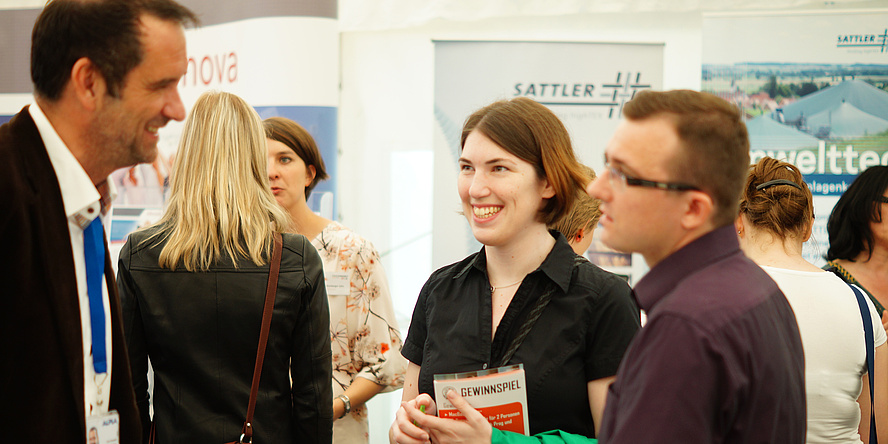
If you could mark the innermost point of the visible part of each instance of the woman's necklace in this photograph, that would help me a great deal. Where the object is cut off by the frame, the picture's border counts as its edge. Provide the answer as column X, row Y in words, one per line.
column 492, row 288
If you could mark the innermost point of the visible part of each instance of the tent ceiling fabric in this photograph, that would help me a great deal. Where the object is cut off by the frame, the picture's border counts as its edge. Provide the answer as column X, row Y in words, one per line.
column 375, row 15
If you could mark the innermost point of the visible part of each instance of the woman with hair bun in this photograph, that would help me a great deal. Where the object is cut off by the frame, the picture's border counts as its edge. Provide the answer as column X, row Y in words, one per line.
column 776, row 218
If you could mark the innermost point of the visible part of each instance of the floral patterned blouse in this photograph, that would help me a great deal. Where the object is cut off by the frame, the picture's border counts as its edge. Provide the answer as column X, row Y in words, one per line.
column 364, row 335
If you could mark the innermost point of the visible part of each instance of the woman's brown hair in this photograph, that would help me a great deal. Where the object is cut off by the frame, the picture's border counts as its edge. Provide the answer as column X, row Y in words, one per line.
column 777, row 198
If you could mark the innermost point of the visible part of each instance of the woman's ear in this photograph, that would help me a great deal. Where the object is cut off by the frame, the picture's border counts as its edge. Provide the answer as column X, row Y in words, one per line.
column 738, row 225
column 808, row 231
column 548, row 190
column 310, row 174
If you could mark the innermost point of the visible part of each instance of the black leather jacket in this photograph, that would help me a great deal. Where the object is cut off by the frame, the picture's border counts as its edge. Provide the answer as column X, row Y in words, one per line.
column 201, row 331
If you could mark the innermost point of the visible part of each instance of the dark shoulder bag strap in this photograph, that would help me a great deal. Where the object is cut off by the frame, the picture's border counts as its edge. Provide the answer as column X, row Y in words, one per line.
column 270, row 290
column 870, row 357
column 532, row 317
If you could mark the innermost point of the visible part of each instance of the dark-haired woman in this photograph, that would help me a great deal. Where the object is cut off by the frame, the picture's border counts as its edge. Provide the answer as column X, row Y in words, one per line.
column 364, row 336
column 776, row 218
column 858, row 236
column 517, row 173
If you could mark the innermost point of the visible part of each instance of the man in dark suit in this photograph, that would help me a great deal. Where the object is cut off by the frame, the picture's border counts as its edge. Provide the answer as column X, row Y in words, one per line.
column 105, row 75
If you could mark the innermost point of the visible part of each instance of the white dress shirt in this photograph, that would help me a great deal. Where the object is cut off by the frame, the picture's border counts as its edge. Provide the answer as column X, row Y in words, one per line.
column 82, row 205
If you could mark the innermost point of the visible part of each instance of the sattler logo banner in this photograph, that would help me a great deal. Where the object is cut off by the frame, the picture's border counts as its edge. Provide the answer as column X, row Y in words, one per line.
column 818, row 100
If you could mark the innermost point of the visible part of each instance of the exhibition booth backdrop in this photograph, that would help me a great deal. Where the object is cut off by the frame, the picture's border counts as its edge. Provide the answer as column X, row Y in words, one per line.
column 281, row 57
column 367, row 80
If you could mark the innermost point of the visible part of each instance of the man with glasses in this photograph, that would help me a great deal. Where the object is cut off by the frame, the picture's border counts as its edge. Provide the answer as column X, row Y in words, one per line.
column 720, row 358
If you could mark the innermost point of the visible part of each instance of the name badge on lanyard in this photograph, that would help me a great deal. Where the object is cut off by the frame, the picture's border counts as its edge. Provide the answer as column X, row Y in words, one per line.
column 338, row 284
column 103, row 429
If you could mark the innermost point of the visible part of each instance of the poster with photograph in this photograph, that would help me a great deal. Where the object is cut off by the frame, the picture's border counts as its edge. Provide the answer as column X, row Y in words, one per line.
column 813, row 87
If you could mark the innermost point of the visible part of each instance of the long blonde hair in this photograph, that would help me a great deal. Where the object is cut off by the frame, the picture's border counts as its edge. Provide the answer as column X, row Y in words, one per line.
column 220, row 198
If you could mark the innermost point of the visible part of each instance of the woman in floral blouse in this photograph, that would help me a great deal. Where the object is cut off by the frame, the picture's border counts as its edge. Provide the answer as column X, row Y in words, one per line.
column 365, row 339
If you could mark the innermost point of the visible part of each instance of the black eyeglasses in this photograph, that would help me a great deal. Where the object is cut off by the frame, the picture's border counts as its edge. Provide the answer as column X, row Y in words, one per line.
column 619, row 181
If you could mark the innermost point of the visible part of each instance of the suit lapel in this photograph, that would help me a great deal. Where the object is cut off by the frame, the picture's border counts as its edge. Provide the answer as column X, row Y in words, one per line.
column 58, row 258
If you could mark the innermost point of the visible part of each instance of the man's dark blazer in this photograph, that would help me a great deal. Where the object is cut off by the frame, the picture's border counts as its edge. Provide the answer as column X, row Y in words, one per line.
column 41, row 377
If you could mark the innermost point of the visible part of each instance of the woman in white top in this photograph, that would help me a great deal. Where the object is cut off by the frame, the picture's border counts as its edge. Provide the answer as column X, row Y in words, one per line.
column 363, row 333
column 776, row 218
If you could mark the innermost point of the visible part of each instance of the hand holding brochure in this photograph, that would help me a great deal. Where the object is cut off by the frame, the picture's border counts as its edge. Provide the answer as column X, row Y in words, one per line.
column 499, row 394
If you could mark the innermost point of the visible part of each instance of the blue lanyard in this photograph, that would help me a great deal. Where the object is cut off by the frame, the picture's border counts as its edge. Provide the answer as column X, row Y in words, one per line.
column 94, row 250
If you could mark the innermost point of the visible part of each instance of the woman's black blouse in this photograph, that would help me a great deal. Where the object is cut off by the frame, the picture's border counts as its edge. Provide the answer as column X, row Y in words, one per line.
column 580, row 336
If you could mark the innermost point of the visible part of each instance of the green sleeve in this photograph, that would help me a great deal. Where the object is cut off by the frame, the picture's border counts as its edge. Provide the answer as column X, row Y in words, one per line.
column 550, row 437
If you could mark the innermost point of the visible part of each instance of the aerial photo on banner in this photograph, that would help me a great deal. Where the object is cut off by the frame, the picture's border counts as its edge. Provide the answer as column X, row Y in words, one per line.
column 814, row 90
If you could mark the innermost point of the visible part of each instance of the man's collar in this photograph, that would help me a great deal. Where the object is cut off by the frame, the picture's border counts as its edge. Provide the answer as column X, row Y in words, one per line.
column 79, row 194
column 696, row 255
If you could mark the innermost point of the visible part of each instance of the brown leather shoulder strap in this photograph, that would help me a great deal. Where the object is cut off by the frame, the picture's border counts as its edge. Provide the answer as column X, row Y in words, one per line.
column 271, row 289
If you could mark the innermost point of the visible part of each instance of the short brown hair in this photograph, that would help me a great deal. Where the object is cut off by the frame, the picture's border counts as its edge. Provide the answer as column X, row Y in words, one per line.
column 533, row 133
column 715, row 154
column 300, row 141
column 107, row 32
column 779, row 208
column 584, row 214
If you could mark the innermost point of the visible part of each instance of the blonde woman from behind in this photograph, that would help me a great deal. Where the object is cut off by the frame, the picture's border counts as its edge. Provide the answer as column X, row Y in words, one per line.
column 192, row 289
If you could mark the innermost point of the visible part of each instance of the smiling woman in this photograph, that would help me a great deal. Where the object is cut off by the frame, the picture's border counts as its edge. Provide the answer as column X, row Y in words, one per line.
column 518, row 173
column 501, row 194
